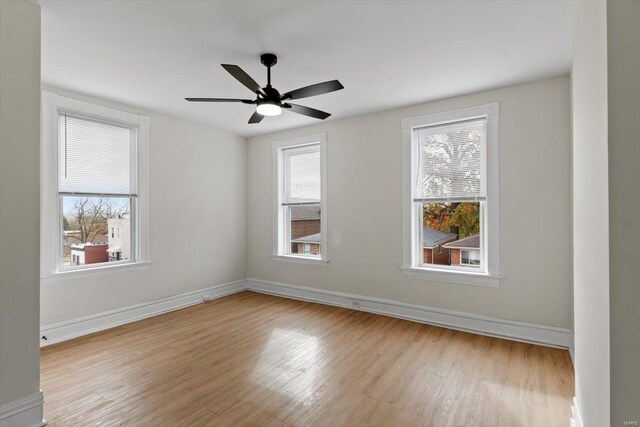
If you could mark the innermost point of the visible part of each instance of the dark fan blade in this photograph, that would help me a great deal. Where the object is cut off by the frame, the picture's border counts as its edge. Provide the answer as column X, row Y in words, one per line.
column 243, row 77
column 313, row 90
column 256, row 118
column 246, row 101
column 311, row 112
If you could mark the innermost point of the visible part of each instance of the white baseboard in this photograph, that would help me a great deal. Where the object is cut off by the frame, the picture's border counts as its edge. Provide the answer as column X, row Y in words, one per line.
column 69, row 329
column 25, row 412
column 576, row 420
column 572, row 354
column 484, row 325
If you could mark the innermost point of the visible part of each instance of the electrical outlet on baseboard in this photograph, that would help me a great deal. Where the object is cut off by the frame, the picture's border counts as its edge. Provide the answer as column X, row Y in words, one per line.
column 355, row 305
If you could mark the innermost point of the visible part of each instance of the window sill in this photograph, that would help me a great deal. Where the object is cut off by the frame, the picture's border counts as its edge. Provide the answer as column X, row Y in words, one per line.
column 458, row 277
column 71, row 276
column 300, row 260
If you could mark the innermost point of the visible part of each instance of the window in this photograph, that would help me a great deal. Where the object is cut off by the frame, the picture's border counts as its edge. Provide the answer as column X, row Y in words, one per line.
column 450, row 196
column 300, row 217
column 470, row 258
column 94, row 180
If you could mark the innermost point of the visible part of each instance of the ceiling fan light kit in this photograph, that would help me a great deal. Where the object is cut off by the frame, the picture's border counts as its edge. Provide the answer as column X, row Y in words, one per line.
column 269, row 109
column 269, row 102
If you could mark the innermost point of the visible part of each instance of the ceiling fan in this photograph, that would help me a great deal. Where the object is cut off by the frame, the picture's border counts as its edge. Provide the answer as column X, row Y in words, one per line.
column 268, row 100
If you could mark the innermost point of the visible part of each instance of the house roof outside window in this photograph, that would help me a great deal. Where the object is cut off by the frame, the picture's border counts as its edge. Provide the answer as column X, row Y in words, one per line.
column 312, row 238
column 71, row 238
column 469, row 242
column 432, row 237
column 81, row 246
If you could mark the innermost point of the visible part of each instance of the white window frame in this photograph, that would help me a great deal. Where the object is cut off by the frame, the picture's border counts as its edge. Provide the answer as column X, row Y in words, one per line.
column 411, row 257
column 279, row 252
column 50, row 209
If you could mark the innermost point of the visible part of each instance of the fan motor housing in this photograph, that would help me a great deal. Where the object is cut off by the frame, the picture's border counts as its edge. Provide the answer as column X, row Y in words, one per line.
column 271, row 94
column 268, row 59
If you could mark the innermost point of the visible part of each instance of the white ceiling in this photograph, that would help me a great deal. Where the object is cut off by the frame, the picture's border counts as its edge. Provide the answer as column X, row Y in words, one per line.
column 386, row 54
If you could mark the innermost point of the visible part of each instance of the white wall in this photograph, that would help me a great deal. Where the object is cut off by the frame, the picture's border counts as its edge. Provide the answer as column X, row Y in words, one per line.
column 198, row 221
column 623, row 41
column 590, row 214
column 364, row 208
column 19, row 200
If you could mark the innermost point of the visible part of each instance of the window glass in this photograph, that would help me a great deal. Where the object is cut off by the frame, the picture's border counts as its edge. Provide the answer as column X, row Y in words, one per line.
column 301, row 206
column 304, row 229
column 85, row 225
column 97, row 190
column 446, row 227
column 450, row 194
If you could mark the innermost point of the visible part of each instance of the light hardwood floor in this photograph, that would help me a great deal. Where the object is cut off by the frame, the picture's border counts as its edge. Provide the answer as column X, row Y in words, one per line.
column 255, row 360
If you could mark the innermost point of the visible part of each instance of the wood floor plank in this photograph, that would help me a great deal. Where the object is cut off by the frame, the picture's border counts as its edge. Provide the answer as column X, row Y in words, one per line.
column 256, row 360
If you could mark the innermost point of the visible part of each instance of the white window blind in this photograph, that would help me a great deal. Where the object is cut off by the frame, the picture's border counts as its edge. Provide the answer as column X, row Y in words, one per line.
column 452, row 162
column 95, row 157
column 302, row 176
